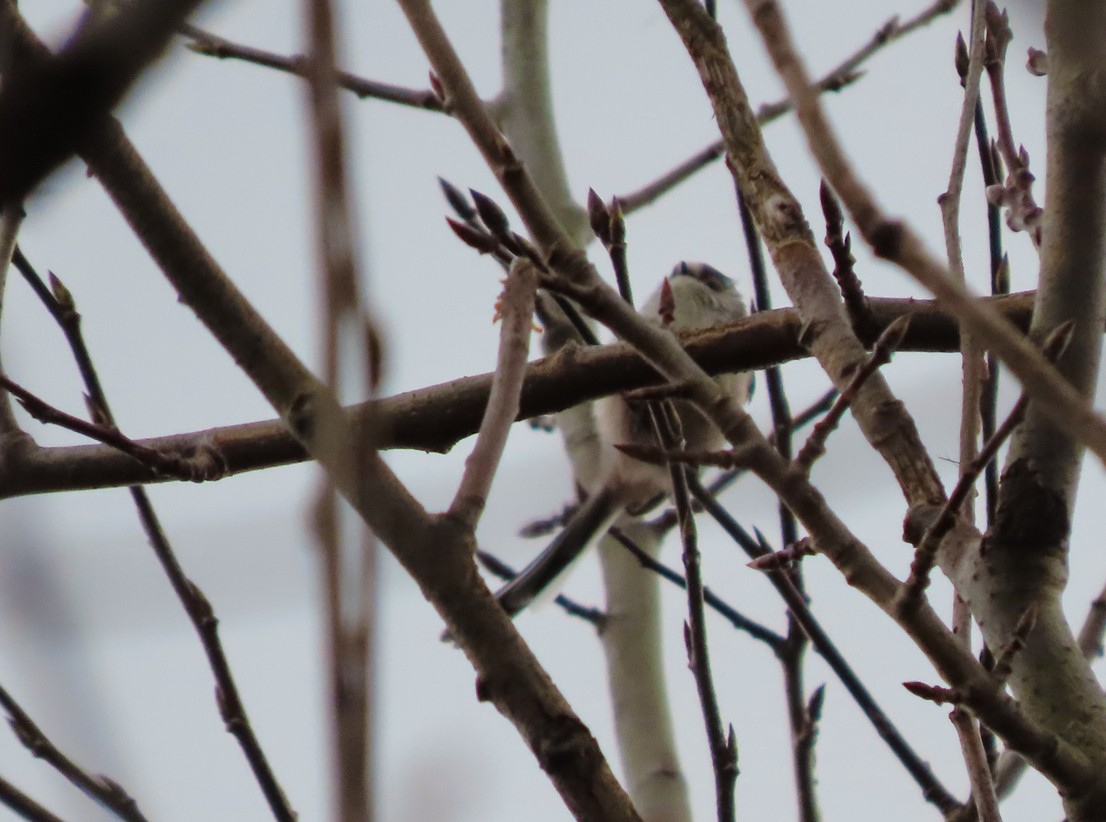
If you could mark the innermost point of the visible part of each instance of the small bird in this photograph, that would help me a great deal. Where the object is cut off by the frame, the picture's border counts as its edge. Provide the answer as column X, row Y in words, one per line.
column 701, row 297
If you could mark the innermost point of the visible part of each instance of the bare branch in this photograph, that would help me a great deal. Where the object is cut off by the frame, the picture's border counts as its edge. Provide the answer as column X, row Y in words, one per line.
column 844, row 74
column 516, row 310
column 62, row 307
column 211, row 45
column 100, row 788
column 23, row 805
column 50, row 105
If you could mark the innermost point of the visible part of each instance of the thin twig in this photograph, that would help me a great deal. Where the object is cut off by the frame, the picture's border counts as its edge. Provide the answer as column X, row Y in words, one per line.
column 797, row 606
column 718, row 605
column 840, row 247
column 1016, row 193
column 844, row 74
column 969, row 62
column 106, row 791
column 1000, row 284
column 970, row 353
column 62, row 307
column 885, row 346
column 212, row 45
column 23, row 805
column 570, row 606
column 195, row 469
column 722, row 745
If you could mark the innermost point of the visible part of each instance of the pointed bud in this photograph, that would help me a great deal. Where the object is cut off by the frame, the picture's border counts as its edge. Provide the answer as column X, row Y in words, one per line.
column 473, row 237
column 814, row 706
column 491, row 214
column 599, row 218
column 1002, row 276
column 933, row 693
column 831, row 209
column 61, row 293
column 642, row 453
column 618, row 223
column 892, row 336
column 457, row 200
column 961, row 59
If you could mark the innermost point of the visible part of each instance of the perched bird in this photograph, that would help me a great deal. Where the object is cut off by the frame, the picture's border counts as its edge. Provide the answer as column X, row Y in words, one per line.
column 701, row 297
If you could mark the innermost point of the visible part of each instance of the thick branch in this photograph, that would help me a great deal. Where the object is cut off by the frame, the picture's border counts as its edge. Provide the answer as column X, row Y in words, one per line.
column 437, row 417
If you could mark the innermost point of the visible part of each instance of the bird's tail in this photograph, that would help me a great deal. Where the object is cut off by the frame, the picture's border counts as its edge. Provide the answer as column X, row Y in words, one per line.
column 597, row 513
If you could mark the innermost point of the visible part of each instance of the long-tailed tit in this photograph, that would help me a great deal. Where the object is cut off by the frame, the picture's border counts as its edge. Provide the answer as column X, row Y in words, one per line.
column 702, row 297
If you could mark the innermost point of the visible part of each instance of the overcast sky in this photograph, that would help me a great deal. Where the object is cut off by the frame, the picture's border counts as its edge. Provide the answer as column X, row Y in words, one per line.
column 97, row 649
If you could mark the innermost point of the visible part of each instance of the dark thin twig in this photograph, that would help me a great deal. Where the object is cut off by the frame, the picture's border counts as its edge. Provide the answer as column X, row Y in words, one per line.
column 62, row 308
column 989, row 162
column 718, row 605
column 932, row 789
column 159, row 462
column 212, row 45
column 885, row 346
column 23, row 805
column 840, row 247
column 792, row 653
column 802, row 718
column 103, row 790
column 723, row 745
column 505, row 572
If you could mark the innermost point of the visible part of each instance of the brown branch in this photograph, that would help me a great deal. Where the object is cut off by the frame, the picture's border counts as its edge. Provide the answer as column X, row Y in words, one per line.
column 349, row 565
column 841, row 76
column 896, row 242
column 516, row 311
column 50, row 104
column 418, row 419
column 62, row 307
column 167, row 464
column 99, row 788
column 211, row 45
column 436, row 553
column 885, row 346
column 23, row 805
column 722, row 745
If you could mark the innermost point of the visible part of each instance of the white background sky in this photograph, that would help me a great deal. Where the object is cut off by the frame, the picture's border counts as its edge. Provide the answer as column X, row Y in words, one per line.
column 99, row 652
